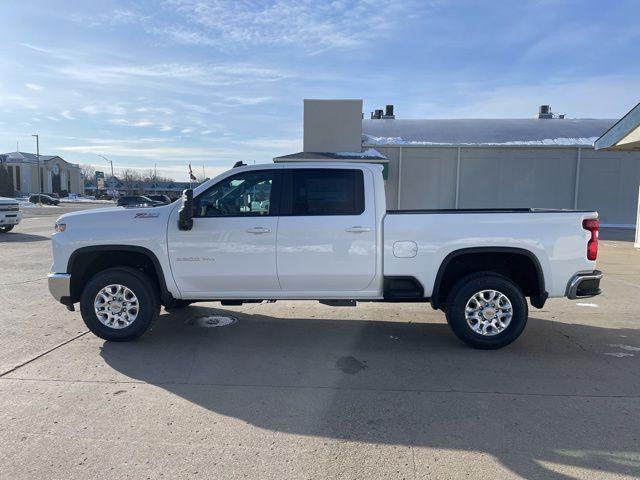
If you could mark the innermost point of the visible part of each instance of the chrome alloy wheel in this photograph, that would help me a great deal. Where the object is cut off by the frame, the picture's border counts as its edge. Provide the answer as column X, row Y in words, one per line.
column 116, row 306
column 488, row 312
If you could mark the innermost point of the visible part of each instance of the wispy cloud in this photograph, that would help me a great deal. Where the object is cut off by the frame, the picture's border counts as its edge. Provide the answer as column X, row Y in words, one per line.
column 104, row 109
column 228, row 24
column 67, row 114
column 34, row 87
column 308, row 24
column 196, row 73
column 151, row 152
column 131, row 123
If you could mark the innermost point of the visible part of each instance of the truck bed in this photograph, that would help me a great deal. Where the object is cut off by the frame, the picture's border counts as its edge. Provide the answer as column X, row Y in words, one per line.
column 417, row 242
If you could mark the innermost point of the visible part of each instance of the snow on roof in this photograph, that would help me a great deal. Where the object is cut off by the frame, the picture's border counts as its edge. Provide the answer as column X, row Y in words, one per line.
column 551, row 132
column 30, row 157
column 369, row 154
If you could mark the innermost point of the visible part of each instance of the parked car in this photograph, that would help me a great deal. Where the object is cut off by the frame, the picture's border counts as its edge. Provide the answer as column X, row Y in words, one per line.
column 320, row 231
column 10, row 214
column 45, row 199
column 160, row 198
column 137, row 201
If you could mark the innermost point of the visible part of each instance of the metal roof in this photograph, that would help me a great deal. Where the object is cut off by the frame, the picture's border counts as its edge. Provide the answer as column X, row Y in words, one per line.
column 506, row 132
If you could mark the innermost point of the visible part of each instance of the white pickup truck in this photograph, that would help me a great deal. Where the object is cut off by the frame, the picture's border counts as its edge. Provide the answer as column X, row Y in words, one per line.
column 10, row 215
column 319, row 231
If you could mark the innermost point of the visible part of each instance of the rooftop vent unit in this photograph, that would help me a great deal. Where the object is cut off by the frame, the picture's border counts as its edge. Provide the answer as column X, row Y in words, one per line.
column 545, row 112
column 387, row 113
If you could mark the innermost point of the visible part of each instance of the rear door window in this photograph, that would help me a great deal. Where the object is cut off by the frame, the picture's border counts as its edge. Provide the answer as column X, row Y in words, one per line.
column 326, row 192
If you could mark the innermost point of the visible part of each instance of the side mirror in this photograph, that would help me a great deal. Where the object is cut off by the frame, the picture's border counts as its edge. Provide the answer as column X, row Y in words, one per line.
column 185, row 214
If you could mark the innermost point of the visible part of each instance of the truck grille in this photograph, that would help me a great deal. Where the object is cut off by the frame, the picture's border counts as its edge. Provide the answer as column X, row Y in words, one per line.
column 9, row 208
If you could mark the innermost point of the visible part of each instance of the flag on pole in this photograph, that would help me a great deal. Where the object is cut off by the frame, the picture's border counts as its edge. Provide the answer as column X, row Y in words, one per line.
column 192, row 177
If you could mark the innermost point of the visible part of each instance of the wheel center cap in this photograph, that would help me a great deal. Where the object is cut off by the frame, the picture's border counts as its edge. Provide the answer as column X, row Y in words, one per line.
column 489, row 313
column 116, row 307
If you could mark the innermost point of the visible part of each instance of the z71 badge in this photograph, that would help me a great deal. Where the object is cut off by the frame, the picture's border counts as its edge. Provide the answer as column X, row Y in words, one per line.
column 146, row 215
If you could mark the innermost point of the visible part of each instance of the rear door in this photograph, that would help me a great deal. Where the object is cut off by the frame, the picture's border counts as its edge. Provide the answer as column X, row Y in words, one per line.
column 327, row 232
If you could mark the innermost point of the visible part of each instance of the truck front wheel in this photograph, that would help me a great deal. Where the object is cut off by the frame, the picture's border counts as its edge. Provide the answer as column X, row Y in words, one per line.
column 119, row 304
column 487, row 311
column 6, row 228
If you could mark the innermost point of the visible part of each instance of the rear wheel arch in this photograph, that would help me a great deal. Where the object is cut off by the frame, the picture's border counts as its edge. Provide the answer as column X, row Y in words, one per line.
column 518, row 264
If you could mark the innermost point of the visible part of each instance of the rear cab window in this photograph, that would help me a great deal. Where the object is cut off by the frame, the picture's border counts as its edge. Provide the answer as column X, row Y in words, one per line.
column 323, row 191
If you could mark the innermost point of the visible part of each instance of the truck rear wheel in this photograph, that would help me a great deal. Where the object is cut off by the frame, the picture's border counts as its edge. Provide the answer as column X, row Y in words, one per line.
column 487, row 311
column 119, row 304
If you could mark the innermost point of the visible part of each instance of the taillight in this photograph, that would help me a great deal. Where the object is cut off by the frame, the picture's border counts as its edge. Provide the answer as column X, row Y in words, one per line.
column 592, row 225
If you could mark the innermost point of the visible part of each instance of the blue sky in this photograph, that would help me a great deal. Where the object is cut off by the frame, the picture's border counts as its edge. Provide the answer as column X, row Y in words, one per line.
column 212, row 82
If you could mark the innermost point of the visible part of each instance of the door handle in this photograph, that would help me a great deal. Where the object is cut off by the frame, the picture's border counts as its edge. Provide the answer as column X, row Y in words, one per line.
column 358, row 229
column 259, row 230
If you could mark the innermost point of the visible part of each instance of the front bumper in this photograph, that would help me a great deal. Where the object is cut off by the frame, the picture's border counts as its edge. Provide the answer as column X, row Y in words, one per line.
column 60, row 286
column 584, row 285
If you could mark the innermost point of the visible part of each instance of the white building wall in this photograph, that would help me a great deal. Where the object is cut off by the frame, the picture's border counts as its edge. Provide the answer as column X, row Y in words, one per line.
column 517, row 177
column 423, row 177
column 428, row 178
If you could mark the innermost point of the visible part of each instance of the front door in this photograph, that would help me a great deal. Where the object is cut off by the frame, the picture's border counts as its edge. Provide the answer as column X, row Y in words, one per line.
column 327, row 232
column 231, row 250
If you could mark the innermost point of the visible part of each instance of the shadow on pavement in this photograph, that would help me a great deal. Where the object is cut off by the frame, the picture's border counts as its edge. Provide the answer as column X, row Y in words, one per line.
column 553, row 396
column 17, row 237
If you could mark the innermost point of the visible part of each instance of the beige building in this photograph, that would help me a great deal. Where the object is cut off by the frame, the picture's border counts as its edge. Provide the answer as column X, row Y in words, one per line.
column 547, row 161
column 56, row 174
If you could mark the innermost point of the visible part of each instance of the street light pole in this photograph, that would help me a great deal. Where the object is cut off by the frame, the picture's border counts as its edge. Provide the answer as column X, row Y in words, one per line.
column 108, row 161
column 40, row 179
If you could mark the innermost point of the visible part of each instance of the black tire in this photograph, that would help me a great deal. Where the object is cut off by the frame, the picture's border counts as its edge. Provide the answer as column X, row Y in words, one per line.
column 176, row 304
column 143, row 287
column 6, row 228
column 462, row 293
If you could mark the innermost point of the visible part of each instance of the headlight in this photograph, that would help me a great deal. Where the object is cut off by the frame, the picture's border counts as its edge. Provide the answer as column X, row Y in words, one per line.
column 60, row 227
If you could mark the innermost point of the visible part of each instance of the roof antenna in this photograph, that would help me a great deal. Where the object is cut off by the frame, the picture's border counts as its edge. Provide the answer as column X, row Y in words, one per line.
column 17, row 146
column 239, row 163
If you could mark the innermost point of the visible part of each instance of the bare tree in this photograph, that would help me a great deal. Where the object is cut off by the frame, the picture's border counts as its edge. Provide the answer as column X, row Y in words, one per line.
column 89, row 172
column 129, row 178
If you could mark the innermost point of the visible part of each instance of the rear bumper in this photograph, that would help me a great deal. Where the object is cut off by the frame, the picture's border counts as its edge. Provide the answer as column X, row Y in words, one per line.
column 60, row 286
column 584, row 285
